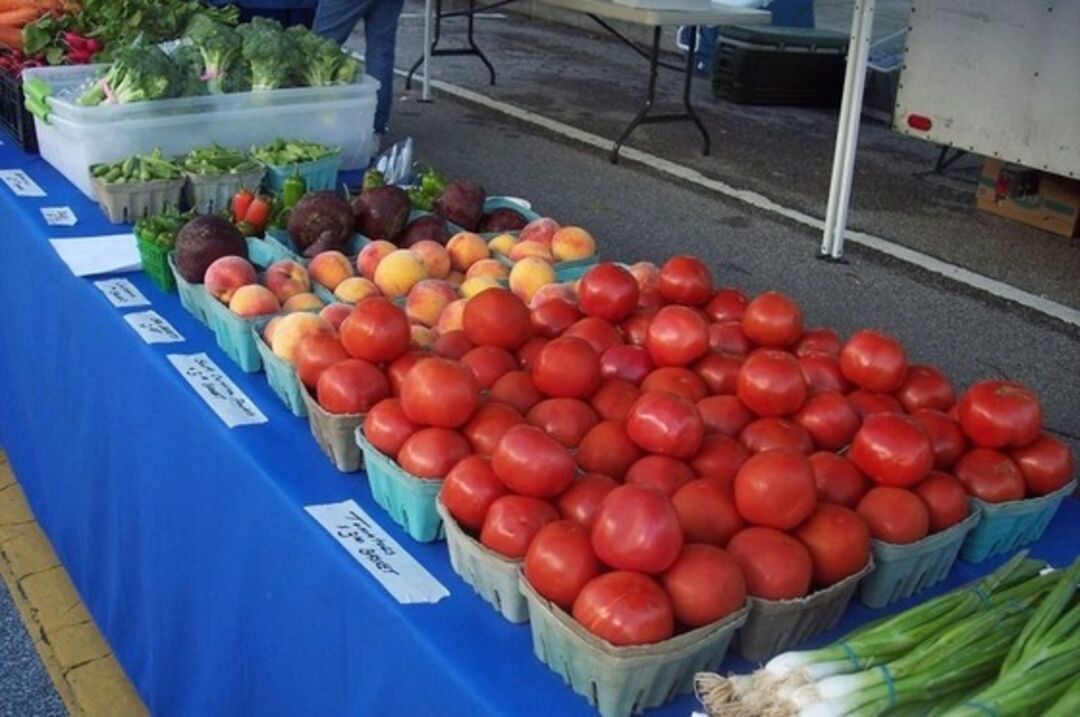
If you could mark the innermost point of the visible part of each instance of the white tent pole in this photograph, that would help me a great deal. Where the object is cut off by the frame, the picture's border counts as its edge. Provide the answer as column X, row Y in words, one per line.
column 425, row 93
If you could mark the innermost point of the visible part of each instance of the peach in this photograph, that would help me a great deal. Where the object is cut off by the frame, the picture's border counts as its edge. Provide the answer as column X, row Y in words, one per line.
column 286, row 278
column 548, row 292
column 426, row 301
column 452, row 316
column 436, row 258
column 226, row 275
column 294, row 327
column 399, row 271
column 455, row 278
column 471, row 287
column 334, row 314
column 355, row 288
column 529, row 248
column 570, row 243
column 268, row 330
column 305, row 301
column 502, row 244
column 253, row 300
column 466, row 249
column 648, row 279
column 423, row 337
column 330, row 268
column 488, row 267
column 528, row 275
column 541, row 230
column 370, row 256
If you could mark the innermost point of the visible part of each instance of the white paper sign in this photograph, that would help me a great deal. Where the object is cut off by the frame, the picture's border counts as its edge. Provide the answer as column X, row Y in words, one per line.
column 121, row 293
column 153, row 328
column 218, row 391
column 59, row 216
column 86, row 256
column 20, row 183
column 395, row 569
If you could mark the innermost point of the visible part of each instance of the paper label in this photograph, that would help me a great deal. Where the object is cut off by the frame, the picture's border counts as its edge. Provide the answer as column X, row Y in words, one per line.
column 396, row 570
column 20, row 183
column 153, row 328
column 121, row 293
column 59, row 216
column 108, row 254
column 218, row 391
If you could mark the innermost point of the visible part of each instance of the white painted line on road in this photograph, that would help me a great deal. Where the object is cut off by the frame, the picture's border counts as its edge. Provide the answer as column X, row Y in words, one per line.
column 932, row 264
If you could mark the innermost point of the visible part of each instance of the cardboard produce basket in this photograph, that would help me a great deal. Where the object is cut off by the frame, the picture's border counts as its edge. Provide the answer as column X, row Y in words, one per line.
column 192, row 296
column 1004, row 527
column 212, row 193
column 131, row 201
column 334, row 433
column 409, row 499
column 280, row 374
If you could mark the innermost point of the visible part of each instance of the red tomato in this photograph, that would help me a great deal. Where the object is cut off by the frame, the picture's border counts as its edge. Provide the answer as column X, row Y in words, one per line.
column 599, row 334
column 497, row 317
column 818, row 341
column 637, row 529
column 560, row 560
column 608, row 291
column 925, row 387
column 533, row 463
column 314, row 354
column 662, row 473
column 946, row 437
column 776, row 489
column 1046, row 464
column 838, row 480
column 771, row 383
column 686, row 280
column 516, row 389
column 432, row 452
column 488, row 364
column 468, row 491
column 567, row 367
column 772, row 319
column 726, row 304
column 893, row 450
column 581, row 501
column 728, row 337
column 706, row 512
column 719, row 460
column 868, row 403
column 386, row 426
column 875, row 361
column 553, row 317
column 822, row 373
column 528, row 353
column 838, row 541
column 487, row 426
column 452, row 345
column 625, row 608
column 705, row 584
column 724, row 414
column 766, row 434
column 400, row 367
column 895, row 515
column 567, row 420
column 665, row 424
column 998, row 414
column 608, row 450
column 990, row 476
column 776, row 566
column 377, row 330
column 648, row 279
column 677, row 381
column 612, row 401
column 439, row 392
column 351, row 386
column 512, row 521
column 945, row 498
column 829, row 419
column 636, row 328
column 720, row 372
column 677, row 336
column 627, row 362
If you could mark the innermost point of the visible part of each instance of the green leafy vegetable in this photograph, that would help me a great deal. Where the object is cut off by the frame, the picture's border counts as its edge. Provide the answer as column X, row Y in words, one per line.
column 220, row 46
column 138, row 168
column 140, row 72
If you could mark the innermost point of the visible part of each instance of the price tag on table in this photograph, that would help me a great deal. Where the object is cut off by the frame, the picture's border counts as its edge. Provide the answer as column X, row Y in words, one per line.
column 59, row 216
column 20, row 183
column 371, row 546
column 153, row 328
column 218, row 391
column 121, row 293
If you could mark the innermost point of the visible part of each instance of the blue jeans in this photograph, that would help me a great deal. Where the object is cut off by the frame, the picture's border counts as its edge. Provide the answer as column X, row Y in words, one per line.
column 336, row 19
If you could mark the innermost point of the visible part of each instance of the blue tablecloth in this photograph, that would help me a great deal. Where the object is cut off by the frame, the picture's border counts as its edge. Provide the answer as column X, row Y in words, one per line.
column 188, row 541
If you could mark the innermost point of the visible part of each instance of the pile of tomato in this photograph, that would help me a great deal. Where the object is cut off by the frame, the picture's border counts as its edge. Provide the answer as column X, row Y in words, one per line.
column 659, row 448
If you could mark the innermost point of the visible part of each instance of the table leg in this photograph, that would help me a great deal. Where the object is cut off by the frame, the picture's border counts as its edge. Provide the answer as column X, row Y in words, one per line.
column 472, row 42
column 472, row 49
column 690, row 61
column 650, row 97
column 434, row 44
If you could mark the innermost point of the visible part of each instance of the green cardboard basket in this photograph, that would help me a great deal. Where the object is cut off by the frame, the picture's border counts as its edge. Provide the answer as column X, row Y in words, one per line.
column 280, row 374
column 1004, row 527
column 409, row 499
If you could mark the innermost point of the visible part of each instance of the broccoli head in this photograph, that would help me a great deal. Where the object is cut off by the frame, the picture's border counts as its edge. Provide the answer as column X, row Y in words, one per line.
column 190, row 69
column 220, row 46
column 270, row 53
column 324, row 62
column 139, row 72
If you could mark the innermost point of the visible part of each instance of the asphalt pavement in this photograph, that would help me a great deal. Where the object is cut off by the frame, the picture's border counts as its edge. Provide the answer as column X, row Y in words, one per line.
column 25, row 687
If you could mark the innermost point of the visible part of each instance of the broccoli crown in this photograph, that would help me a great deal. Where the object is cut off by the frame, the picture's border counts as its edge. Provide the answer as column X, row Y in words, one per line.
column 190, row 69
column 323, row 62
column 220, row 46
column 140, row 72
column 271, row 54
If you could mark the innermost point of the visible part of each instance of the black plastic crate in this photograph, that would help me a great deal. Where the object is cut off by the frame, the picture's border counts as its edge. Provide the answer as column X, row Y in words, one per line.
column 779, row 66
column 14, row 117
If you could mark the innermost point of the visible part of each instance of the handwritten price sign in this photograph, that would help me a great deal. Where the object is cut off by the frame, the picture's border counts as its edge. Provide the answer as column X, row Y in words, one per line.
column 121, row 293
column 218, row 391
column 153, row 328
column 20, row 184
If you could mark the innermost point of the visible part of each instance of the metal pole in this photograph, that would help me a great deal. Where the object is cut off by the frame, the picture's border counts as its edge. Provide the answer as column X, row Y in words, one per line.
column 425, row 93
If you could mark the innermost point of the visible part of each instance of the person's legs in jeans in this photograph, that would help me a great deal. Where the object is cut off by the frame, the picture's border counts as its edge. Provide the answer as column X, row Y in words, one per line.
column 380, row 35
column 336, row 19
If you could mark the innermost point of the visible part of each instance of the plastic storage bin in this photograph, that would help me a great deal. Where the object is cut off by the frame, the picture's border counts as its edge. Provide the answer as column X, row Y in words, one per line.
column 621, row 681
column 903, row 570
column 335, row 433
column 410, row 500
column 1004, row 527
column 211, row 193
column 318, row 175
column 280, row 374
column 494, row 577
column 155, row 263
column 131, row 201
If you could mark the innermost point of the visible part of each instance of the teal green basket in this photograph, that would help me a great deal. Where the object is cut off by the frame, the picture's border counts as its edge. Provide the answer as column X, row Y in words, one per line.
column 1004, row 527
column 280, row 374
column 320, row 175
column 903, row 570
column 234, row 335
column 564, row 270
column 334, row 433
column 621, row 681
column 283, row 244
column 493, row 203
column 409, row 500
column 192, row 296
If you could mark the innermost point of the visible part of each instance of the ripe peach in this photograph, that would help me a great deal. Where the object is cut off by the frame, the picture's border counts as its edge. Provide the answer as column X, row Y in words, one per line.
column 455, row 278
column 305, row 301
column 502, row 244
column 226, row 275
column 334, row 314
column 268, row 330
column 427, row 300
column 370, row 256
column 286, row 278
column 253, row 300
column 528, row 275
column 541, row 230
column 423, row 337
column 529, row 248
column 330, row 268
column 436, row 258
column 488, row 267
column 293, row 327
column 399, row 271
column 570, row 243
column 451, row 318
column 355, row 288
column 547, row 292
column 471, row 287
column 466, row 249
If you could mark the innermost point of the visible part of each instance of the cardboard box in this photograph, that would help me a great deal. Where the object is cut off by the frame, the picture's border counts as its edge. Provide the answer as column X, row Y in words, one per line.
column 1045, row 201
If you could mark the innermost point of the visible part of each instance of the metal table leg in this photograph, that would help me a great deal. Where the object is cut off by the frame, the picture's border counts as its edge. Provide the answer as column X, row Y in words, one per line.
column 650, row 97
column 472, row 50
column 690, row 61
